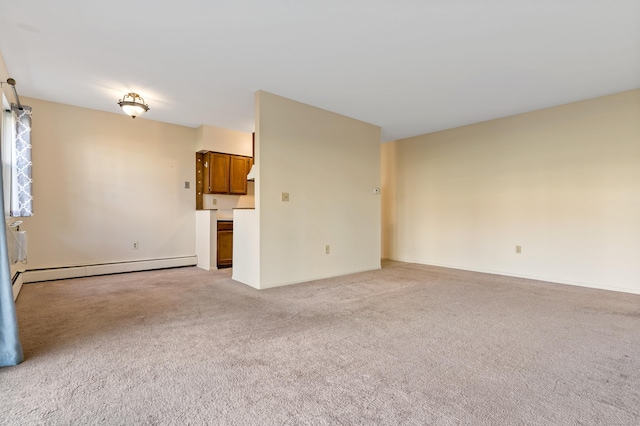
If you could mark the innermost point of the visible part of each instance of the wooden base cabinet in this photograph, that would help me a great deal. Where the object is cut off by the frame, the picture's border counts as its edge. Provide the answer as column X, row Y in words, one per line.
column 225, row 244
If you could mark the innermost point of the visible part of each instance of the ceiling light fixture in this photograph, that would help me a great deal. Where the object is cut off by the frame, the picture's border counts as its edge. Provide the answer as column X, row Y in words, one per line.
column 133, row 104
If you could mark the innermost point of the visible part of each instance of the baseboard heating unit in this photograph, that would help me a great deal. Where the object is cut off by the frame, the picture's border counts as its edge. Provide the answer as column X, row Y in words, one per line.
column 49, row 274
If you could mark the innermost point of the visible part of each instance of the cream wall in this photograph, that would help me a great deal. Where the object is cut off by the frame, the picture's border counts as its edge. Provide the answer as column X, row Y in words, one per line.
column 218, row 139
column 103, row 181
column 229, row 202
column 4, row 75
column 563, row 183
column 206, row 239
column 246, row 247
column 329, row 164
column 246, row 223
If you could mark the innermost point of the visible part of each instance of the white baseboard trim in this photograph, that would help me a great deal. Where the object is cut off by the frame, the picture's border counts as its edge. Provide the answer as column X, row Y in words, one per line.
column 244, row 280
column 529, row 277
column 212, row 268
column 262, row 286
column 49, row 274
column 17, row 285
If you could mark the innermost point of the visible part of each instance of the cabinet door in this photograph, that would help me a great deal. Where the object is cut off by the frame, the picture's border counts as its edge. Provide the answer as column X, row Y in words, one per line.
column 239, row 170
column 218, row 173
column 225, row 244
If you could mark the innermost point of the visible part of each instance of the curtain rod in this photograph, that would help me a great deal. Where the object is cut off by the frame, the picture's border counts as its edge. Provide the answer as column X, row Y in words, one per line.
column 10, row 81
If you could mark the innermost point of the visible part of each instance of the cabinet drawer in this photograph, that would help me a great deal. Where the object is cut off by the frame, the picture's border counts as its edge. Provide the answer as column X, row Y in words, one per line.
column 225, row 226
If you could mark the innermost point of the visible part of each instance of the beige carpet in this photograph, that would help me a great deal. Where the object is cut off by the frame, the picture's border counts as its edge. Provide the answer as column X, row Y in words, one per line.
column 408, row 344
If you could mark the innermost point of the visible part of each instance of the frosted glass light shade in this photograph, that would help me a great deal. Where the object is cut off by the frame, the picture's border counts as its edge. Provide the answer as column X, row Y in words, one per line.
column 133, row 110
column 133, row 105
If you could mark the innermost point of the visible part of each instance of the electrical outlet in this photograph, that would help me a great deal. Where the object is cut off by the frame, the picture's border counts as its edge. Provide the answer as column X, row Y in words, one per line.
column 285, row 196
column 187, row 185
column 214, row 201
column 135, row 246
column 518, row 249
column 327, row 249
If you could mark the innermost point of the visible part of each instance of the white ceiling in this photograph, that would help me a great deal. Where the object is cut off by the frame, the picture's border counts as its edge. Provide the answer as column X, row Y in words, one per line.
column 411, row 67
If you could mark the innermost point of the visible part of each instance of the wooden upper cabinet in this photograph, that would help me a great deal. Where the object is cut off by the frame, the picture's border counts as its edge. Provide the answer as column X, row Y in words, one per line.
column 219, row 173
column 238, row 174
column 225, row 173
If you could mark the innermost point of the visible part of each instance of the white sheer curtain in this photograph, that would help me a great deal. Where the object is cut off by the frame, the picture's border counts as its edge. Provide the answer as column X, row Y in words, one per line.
column 10, row 346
